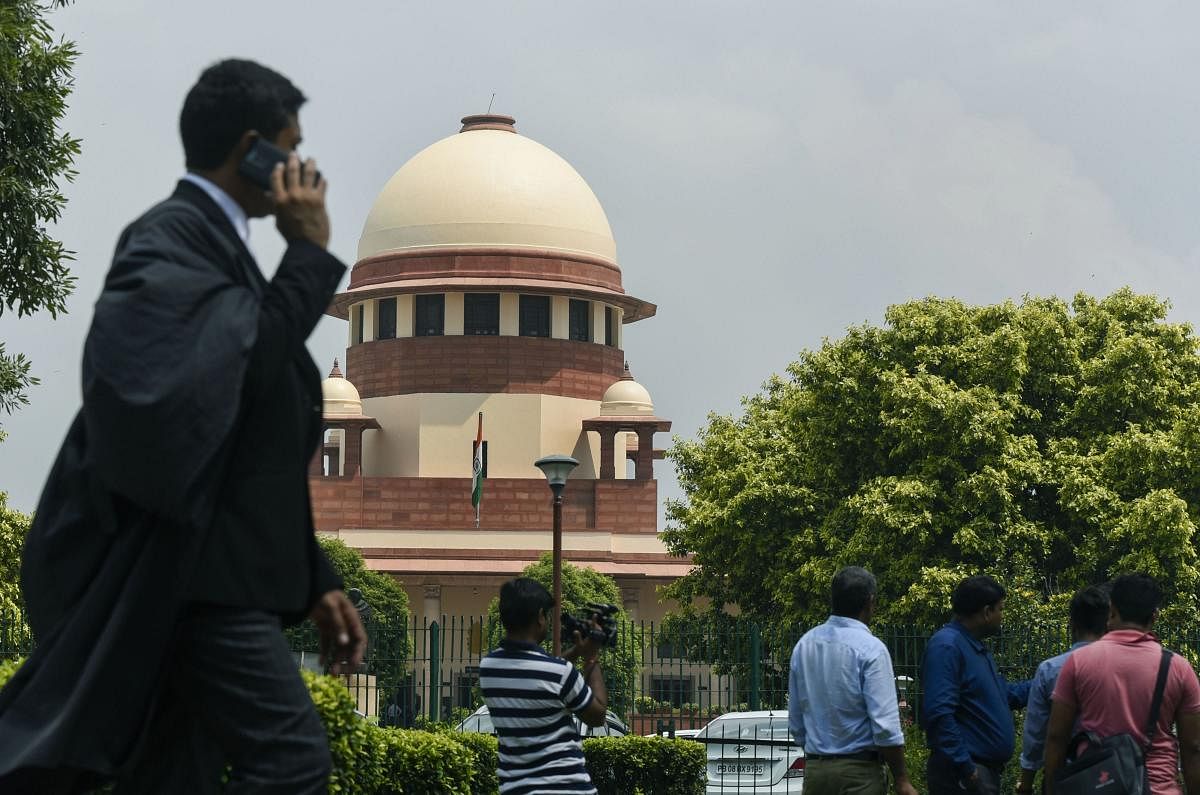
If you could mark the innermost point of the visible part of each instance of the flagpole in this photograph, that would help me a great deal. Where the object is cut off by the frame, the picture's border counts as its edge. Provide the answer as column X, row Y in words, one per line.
column 478, row 463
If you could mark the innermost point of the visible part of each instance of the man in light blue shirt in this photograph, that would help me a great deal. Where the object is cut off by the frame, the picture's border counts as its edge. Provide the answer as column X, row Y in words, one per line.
column 842, row 706
column 1089, row 620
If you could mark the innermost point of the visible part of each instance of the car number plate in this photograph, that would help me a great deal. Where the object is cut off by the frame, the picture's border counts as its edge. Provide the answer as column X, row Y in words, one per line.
column 740, row 769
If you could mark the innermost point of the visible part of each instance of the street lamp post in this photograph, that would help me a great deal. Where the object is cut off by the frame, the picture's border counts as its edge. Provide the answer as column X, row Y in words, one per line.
column 557, row 468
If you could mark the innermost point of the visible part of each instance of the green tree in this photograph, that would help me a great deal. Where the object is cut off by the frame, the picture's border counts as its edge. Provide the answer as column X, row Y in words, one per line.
column 388, row 644
column 35, row 81
column 582, row 586
column 385, row 594
column 1048, row 444
column 14, row 527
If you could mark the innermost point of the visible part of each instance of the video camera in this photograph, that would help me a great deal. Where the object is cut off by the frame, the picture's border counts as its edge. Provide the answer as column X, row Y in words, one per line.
column 604, row 615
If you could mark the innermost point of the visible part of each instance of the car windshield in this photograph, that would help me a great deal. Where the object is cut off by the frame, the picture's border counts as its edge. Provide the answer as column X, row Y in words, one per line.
column 613, row 727
column 747, row 730
column 479, row 722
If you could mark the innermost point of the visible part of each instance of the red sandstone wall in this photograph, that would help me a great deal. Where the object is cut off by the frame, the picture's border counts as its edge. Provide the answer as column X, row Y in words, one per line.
column 491, row 365
column 496, row 265
column 627, row 506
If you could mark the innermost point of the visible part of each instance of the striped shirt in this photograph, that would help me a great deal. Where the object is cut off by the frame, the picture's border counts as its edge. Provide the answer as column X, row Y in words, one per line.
column 531, row 697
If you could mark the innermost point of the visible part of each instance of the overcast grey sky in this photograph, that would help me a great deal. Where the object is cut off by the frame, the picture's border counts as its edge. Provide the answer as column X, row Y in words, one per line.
column 772, row 172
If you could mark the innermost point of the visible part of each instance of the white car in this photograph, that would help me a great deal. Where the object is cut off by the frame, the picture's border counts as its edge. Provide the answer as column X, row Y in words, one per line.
column 752, row 752
column 680, row 734
column 480, row 721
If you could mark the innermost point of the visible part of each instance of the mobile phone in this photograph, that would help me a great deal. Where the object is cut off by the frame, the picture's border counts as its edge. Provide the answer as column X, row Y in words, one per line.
column 260, row 161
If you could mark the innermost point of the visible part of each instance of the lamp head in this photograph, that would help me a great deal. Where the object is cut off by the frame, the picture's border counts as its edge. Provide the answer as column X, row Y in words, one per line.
column 556, row 468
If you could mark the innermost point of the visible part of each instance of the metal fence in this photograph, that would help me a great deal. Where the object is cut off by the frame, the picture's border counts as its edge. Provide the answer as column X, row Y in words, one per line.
column 658, row 679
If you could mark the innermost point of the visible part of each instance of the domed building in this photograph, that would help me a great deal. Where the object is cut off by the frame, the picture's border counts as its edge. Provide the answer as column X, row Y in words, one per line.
column 487, row 283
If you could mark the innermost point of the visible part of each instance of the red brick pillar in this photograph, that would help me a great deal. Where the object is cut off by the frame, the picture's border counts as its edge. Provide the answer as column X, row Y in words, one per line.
column 608, row 469
column 352, row 437
column 644, row 463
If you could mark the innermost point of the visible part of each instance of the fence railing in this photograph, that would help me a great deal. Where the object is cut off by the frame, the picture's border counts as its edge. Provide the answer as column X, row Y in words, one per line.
column 657, row 680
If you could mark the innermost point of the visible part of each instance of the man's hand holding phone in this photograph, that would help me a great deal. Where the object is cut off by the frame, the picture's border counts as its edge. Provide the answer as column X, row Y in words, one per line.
column 299, row 195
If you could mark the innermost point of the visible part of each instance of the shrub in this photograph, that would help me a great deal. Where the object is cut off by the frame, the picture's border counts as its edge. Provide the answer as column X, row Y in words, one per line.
column 645, row 705
column 370, row 760
column 634, row 765
column 357, row 756
column 485, row 750
column 423, row 763
column 486, row 759
column 690, row 708
column 8, row 668
column 916, row 756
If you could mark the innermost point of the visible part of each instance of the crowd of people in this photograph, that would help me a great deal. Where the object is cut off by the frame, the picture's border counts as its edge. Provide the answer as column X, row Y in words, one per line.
column 1116, row 680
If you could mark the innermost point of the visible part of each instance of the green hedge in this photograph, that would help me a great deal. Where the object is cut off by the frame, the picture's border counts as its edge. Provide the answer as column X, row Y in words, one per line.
column 485, row 754
column 645, row 765
column 370, row 760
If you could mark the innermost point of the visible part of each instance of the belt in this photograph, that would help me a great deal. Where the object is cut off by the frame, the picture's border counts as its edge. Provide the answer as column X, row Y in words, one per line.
column 858, row 756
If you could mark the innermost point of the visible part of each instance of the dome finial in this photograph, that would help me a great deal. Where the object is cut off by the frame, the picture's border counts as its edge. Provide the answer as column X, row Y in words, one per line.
column 335, row 372
column 626, row 376
column 489, row 121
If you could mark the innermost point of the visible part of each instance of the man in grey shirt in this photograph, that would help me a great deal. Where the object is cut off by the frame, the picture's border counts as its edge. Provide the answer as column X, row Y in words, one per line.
column 1089, row 620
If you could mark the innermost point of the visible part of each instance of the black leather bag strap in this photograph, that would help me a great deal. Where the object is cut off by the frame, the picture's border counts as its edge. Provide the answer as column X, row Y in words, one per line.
column 1160, row 686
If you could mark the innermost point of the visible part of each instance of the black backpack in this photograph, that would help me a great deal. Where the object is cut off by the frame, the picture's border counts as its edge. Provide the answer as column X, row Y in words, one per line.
column 1113, row 765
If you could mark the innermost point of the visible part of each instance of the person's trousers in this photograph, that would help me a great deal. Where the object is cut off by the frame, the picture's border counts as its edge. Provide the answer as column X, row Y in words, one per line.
column 844, row 777
column 233, row 705
column 942, row 778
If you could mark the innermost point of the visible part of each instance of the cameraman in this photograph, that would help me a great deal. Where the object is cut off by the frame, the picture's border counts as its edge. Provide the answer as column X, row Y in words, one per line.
column 531, row 696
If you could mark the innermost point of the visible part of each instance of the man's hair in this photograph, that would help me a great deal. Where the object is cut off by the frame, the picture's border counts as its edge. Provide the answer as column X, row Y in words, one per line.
column 852, row 589
column 975, row 593
column 231, row 97
column 521, row 600
column 1089, row 610
column 1136, row 597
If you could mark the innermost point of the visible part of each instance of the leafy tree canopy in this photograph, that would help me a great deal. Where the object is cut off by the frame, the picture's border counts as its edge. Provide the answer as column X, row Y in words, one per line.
column 35, row 81
column 385, row 594
column 14, row 527
column 1048, row 444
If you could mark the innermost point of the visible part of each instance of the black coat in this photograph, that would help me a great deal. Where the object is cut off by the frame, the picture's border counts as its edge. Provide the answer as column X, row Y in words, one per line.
column 182, row 479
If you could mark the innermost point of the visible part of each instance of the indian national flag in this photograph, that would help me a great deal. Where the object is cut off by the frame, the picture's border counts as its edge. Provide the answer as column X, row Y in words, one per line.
column 477, row 466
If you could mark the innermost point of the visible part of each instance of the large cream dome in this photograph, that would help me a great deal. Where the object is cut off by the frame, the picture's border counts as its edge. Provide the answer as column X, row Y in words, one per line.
column 487, row 188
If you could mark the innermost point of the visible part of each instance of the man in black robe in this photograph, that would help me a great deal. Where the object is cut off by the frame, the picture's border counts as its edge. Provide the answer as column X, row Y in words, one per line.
column 174, row 536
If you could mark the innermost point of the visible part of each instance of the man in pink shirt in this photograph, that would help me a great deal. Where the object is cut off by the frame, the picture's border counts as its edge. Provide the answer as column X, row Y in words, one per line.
column 1108, row 687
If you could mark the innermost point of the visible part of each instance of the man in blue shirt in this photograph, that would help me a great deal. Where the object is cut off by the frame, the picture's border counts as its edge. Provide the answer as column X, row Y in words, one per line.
column 967, row 707
column 842, row 706
column 1089, row 620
